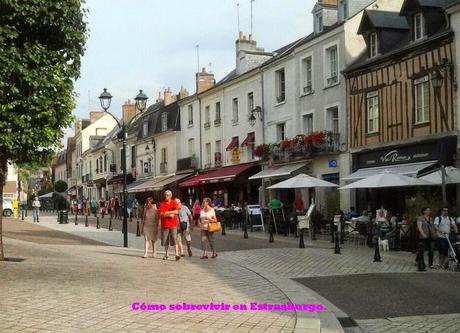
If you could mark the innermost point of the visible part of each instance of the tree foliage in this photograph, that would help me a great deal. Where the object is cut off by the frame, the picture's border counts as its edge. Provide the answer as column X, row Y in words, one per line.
column 60, row 186
column 41, row 45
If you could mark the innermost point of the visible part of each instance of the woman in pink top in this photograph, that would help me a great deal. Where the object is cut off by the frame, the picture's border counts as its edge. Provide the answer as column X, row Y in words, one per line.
column 207, row 215
column 196, row 212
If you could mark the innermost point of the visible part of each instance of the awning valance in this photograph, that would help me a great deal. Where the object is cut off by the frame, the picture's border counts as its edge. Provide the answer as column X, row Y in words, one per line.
column 233, row 143
column 168, row 181
column 228, row 173
column 250, row 139
column 407, row 169
column 148, row 185
column 279, row 171
column 193, row 181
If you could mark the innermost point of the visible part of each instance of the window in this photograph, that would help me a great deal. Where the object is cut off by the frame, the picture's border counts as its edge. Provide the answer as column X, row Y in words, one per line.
column 218, row 154
column 164, row 155
column 280, row 85
column 145, row 129
column 143, row 170
column 307, row 122
column 250, row 102
column 235, row 111
column 372, row 112
column 190, row 115
column 164, row 122
column 419, row 26
column 208, row 155
column 133, row 157
column 280, row 131
column 333, row 119
column 217, row 120
column 207, row 117
column 218, row 146
column 319, row 22
column 105, row 163
column 191, row 147
column 344, row 4
column 373, row 50
column 422, row 100
column 332, row 65
column 307, row 75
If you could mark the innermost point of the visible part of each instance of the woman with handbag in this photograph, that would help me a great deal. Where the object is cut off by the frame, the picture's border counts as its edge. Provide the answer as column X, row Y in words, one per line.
column 207, row 219
column 149, row 226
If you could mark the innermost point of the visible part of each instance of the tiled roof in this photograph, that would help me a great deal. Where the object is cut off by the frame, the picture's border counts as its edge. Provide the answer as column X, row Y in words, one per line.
column 383, row 19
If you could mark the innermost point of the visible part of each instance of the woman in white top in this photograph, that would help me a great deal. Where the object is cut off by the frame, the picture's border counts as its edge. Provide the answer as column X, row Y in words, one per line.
column 207, row 215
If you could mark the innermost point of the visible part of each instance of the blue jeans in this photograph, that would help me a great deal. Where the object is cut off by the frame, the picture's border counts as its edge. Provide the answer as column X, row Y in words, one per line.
column 36, row 214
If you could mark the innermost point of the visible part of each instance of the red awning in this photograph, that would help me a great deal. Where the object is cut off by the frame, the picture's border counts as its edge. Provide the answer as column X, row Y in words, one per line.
column 194, row 181
column 250, row 139
column 233, row 144
column 226, row 173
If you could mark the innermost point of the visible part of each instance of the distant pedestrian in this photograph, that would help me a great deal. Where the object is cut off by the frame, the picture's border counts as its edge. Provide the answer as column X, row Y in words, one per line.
column 184, row 227
column 208, row 215
column 149, row 226
column 87, row 206
column 426, row 234
column 196, row 212
column 129, row 207
column 216, row 202
column 168, row 215
column 36, row 213
column 299, row 204
column 136, row 208
column 94, row 206
column 444, row 225
column 116, row 207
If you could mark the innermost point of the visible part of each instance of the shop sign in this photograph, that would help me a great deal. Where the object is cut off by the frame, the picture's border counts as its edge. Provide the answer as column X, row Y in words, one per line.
column 235, row 155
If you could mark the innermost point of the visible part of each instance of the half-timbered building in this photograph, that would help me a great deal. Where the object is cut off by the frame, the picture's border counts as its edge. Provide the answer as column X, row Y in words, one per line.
column 400, row 95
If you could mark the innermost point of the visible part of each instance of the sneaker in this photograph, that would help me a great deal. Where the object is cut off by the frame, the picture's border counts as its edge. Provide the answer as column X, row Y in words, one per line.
column 182, row 255
column 189, row 252
column 165, row 258
column 177, row 258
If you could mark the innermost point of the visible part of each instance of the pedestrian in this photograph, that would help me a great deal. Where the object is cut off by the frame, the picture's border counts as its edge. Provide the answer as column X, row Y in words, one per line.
column 184, row 228
column 129, row 207
column 149, row 226
column 208, row 215
column 216, row 202
column 88, row 206
column 116, row 207
column 168, row 216
column 36, row 213
column 94, row 206
column 299, row 204
column 444, row 225
column 196, row 212
column 102, row 207
column 426, row 234
column 136, row 208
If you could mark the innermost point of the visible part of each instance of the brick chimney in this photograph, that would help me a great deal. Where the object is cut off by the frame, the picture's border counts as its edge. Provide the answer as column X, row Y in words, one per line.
column 159, row 98
column 169, row 98
column 95, row 115
column 128, row 110
column 204, row 81
column 183, row 92
column 248, row 55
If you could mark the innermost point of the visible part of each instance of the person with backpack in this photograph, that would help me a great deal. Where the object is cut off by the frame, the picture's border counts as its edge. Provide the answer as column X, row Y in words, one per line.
column 426, row 234
column 444, row 225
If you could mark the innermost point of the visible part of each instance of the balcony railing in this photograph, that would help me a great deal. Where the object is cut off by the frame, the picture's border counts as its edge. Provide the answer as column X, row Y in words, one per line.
column 186, row 163
column 164, row 167
column 217, row 122
column 207, row 125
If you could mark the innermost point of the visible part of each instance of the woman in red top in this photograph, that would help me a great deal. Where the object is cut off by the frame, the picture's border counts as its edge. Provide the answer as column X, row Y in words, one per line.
column 168, row 215
column 196, row 211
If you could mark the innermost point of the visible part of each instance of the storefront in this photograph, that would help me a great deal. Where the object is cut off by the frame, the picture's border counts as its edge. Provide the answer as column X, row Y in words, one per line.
column 412, row 160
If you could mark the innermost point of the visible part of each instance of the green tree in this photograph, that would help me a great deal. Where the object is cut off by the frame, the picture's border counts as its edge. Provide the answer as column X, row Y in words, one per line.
column 41, row 44
column 60, row 186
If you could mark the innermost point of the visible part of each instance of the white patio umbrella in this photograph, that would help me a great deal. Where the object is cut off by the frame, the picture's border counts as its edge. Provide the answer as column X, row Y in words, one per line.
column 387, row 179
column 302, row 181
column 452, row 176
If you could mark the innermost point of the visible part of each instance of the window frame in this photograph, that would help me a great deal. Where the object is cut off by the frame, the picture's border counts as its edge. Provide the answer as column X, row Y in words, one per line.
column 328, row 68
column 304, row 123
column 280, row 85
column 164, row 121
column 250, row 98
column 307, row 73
column 422, row 26
column 423, row 82
column 372, row 96
column 373, row 45
column 235, row 110
column 281, row 128
column 190, row 115
column 145, row 129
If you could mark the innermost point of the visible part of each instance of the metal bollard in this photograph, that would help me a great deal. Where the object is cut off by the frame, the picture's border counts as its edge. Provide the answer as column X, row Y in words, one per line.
column 421, row 258
column 377, row 251
column 301, row 242
column 98, row 226
column 138, row 230
column 341, row 231
column 76, row 221
column 245, row 229
column 223, row 228
column 337, row 245
column 22, row 215
column 332, row 227
column 270, row 230
column 110, row 223
column 86, row 220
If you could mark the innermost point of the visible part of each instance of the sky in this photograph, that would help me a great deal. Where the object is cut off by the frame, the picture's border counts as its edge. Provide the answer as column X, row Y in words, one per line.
column 151, row 44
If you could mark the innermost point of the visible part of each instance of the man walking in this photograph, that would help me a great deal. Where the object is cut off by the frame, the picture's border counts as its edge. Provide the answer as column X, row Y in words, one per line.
column 36, row 205
column 168, row 216
column 444, row 225
column 185, row 225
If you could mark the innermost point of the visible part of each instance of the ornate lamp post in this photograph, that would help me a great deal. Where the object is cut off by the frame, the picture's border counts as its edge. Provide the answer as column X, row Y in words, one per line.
column 141, row 103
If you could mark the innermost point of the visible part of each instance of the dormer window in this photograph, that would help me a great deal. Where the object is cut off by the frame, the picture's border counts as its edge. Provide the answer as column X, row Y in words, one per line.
column 344, row 4
column 164, row 122
column 419, row 26
column 373, row 49
column 319, row 22
column 145, row 129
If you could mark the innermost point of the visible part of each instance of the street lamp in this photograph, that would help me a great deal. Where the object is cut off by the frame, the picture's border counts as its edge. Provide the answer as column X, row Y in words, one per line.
column 141, row 103
column 252, row 118
column 436, row 79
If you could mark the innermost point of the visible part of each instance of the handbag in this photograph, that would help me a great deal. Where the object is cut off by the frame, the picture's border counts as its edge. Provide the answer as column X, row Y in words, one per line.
column 183, row 226
column 214, row 227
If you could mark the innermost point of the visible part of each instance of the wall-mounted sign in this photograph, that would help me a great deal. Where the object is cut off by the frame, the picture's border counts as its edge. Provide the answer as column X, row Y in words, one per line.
column 235, row 155
column 333, row 164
